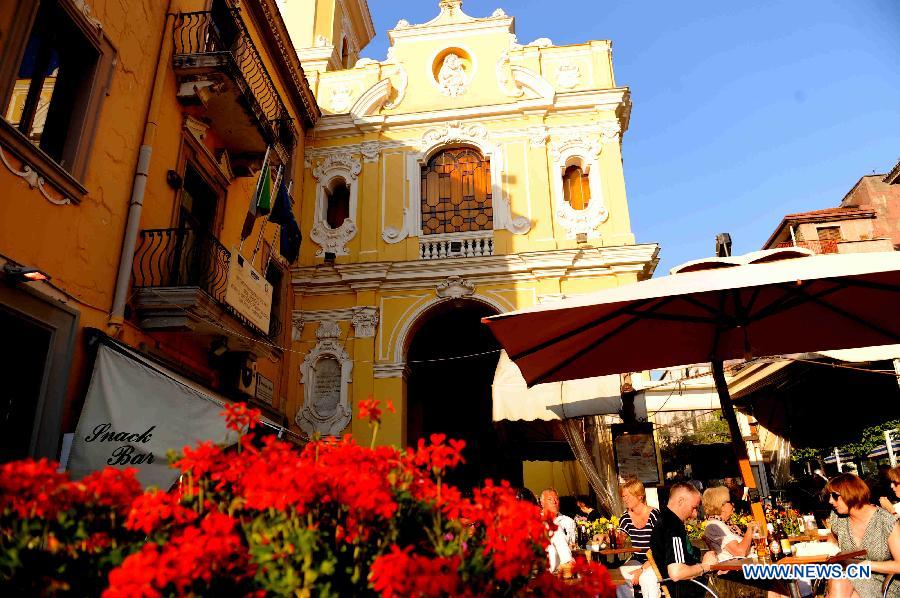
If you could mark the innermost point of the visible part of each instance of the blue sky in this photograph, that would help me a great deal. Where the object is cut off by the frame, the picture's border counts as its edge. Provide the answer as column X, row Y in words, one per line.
column 743, row 111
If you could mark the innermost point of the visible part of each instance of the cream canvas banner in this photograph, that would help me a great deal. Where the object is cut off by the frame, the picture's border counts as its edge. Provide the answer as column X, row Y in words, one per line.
column 135, row 412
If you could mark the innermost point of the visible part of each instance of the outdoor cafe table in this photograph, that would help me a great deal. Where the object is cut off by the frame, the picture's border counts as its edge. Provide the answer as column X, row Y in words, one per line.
column 841, row 557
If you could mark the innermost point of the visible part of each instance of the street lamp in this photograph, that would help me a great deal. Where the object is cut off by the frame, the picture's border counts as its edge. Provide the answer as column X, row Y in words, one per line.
column 24, row 273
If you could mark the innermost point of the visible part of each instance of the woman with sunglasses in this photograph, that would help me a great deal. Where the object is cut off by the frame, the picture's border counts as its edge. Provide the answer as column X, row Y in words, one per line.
column 858, row 525
column 893, row 475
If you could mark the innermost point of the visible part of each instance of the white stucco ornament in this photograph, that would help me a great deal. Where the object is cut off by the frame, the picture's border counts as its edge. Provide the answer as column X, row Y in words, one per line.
column 365, row 321
column 568, row 75
column 452, row 79
column 340, row 98
column 583, row 151
column 325, row 374
column 455, row 287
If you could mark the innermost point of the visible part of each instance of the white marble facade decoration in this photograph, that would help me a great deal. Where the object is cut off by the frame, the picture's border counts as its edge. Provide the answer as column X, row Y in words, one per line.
column 326, row 373
column 452, row 79
column 365, row 321
column 335, row 169
column 340, row 98
column 455, row 287
column 610, row 131
column 296, row 326
column 568, row 75
column 583, row 151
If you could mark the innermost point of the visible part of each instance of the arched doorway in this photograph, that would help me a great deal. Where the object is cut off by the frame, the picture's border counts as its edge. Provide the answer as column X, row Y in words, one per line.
column 453, row 396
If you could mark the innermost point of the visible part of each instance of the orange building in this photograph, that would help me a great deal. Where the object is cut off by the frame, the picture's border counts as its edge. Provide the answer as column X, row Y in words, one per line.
column 132, row 139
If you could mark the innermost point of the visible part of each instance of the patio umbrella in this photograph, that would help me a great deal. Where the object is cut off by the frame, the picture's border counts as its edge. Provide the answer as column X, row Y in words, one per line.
column 764, row 303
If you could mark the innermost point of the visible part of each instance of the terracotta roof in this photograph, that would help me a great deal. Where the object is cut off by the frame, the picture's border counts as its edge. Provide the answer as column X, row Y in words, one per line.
column 844, row 212
column 824, row 215
column 893, row 177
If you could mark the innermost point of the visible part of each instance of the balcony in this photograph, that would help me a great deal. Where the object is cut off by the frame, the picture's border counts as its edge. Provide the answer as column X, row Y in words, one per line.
column 451, row 245
column 825, row 246
column 219, row 69
column 180, row 277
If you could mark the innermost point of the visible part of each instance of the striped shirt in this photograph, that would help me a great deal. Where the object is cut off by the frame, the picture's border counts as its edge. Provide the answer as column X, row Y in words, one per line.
column 640, row 536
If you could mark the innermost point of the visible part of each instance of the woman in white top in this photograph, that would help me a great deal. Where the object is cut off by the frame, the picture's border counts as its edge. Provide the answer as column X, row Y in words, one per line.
column 723, row 538
column 728, row 542
column 637, row 521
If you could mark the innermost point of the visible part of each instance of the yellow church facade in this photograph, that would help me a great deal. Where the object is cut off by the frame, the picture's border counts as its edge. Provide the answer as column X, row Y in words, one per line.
column 465, row 175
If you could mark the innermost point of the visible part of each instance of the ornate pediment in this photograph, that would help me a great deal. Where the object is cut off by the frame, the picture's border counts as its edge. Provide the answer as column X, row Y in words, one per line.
column 343, row 162
column 455, row 287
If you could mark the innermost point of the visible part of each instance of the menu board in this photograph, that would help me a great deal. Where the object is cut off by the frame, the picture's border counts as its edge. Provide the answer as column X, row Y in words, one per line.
column 635, row 452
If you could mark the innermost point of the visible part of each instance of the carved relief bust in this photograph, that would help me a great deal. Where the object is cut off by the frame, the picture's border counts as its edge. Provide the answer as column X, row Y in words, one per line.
column 452, row 79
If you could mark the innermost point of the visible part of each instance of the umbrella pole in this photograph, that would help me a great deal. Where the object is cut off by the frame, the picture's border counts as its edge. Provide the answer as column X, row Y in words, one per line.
column 737, row 441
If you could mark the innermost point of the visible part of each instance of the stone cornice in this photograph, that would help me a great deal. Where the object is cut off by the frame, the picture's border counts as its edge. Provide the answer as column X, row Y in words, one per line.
column 274, row 31
column 528, row 266
column 617, row 100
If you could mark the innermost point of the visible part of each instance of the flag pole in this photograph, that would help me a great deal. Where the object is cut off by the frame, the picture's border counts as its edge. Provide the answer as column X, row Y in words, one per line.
column 262, row 230
column 256, row 189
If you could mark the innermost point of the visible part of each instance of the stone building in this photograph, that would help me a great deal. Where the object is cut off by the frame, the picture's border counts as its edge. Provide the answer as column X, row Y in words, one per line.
column 464, row 175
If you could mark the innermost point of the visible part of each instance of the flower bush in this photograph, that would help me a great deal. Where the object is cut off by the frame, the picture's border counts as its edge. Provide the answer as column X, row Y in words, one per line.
column 695, row 529
column 330, row 519
column 790, row 519
column 601, row 525
column 741, row 521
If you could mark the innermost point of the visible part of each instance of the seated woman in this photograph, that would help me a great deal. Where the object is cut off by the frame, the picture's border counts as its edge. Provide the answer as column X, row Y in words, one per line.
column 637, row 521
column 892, row 506
column 727, row 542
column 858, row 525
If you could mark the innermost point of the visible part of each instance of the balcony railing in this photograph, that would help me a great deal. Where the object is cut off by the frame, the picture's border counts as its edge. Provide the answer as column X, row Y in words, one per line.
column 821, row 246
column 219, row 39
column 185, row 257
column 450, row 245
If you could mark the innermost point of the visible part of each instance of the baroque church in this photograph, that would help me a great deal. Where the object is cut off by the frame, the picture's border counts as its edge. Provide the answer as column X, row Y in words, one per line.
column 466, row 174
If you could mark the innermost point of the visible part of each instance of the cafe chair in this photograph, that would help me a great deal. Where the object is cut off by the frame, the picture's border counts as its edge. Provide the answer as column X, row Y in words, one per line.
column 662, row 580
column 887, row 584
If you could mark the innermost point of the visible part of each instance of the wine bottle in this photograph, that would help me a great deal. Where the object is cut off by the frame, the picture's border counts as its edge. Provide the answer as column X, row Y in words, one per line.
column 774, row 542
column 786, row 549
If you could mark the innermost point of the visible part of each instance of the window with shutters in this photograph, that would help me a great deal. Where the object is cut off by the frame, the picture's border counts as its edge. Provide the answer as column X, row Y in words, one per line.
column 576, row 187
column 456, row 193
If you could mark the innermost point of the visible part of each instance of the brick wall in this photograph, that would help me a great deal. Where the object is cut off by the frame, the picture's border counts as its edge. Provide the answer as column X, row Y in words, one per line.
column 871, row 191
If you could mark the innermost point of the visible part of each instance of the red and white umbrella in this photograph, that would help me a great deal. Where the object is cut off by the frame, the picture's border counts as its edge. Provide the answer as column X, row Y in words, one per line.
column 764, row 303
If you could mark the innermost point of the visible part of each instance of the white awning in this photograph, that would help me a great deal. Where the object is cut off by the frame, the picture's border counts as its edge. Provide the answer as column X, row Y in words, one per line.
column 513, row 400
column 865, row 354
column 136, row 411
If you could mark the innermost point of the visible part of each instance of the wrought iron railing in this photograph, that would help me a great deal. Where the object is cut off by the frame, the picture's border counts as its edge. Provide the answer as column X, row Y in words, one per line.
column 186, row 257
column 820, row 246
column 182, row 257
column 223, row 36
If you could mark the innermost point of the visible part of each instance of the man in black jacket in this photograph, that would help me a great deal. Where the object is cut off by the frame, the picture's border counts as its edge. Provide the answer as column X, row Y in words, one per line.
column 672, row 550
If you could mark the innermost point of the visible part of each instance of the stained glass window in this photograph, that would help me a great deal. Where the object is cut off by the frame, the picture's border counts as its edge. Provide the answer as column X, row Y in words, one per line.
column 456, row 193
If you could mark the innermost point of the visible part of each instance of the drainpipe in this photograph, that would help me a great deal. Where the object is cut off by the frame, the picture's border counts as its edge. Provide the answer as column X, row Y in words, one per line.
column 793, row 237
column 141, row 171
